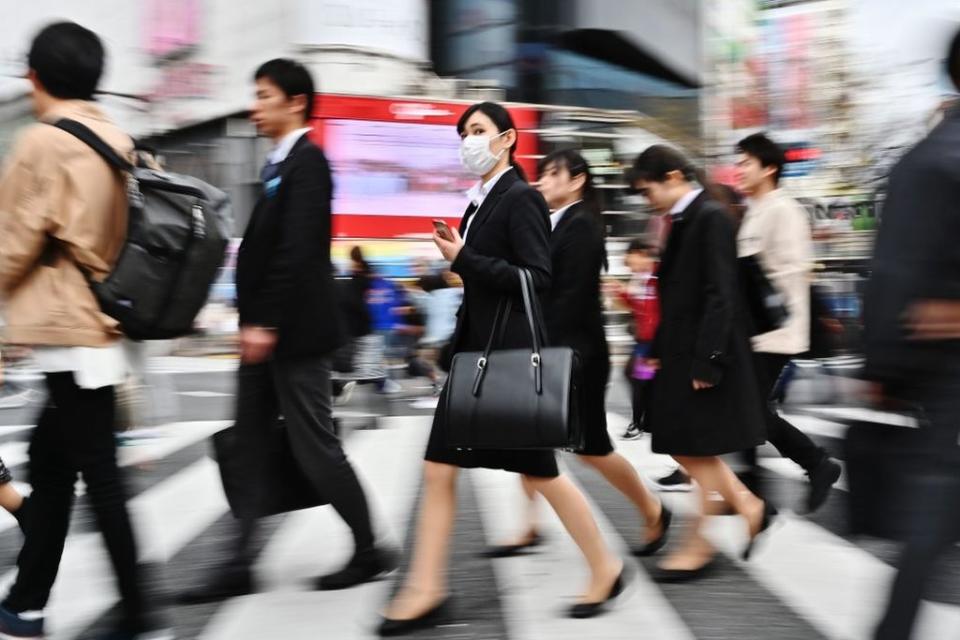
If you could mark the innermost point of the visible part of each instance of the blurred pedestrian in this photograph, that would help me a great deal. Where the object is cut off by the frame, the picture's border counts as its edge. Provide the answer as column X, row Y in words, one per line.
column 63, row 212
column 506, row 226
column 574, row 318
column 776, row 230
column 912, row 347
column 704, row 401
column 285, row 292
column 640, row 296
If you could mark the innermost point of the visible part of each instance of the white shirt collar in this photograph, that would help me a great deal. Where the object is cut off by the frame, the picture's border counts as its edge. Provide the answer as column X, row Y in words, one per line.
column 478, row 192
column 557, row 215
column 684, row 202
column 283, row 148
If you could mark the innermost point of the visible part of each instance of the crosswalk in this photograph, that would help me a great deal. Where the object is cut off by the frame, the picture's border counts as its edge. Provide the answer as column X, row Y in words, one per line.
column 810, row 580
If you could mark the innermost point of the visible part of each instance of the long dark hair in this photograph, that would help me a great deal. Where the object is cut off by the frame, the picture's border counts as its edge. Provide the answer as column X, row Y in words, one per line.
column 659, row 160
column 576, row 165
column 502, row 120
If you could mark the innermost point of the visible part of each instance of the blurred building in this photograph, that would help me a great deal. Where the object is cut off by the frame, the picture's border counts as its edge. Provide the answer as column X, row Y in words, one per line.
column 643, row 56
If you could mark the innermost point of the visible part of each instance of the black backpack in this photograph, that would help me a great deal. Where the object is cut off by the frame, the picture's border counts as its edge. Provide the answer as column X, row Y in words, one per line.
column 177, row 236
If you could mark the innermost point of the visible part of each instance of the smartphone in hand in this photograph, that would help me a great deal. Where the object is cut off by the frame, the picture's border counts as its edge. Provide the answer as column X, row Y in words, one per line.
column 443, row 230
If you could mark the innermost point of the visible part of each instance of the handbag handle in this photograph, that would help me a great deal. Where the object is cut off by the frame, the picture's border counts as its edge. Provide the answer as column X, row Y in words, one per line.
column 535, row 322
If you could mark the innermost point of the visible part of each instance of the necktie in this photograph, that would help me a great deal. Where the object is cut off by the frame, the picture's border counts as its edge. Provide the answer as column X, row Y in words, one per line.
column 269, row 171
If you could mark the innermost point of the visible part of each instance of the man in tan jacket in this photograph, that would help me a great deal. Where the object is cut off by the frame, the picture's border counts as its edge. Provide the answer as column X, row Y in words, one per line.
column 776, row 230
column 63, row 212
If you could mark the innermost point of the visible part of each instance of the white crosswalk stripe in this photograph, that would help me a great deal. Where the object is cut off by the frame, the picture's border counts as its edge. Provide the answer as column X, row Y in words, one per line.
column 832, row 583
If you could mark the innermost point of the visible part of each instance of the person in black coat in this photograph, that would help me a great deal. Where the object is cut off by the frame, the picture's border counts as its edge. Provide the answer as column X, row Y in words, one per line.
column 912, row 349
column 289, row 328
column 574, row 318
column 704, row 399
column 505, row 227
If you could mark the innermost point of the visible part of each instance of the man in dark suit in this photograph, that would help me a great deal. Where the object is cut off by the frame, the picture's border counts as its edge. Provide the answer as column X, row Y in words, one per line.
column 912, row 345
column 289, row 328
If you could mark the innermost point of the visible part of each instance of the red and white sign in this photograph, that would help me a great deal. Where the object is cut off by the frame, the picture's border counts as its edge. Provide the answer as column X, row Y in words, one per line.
column 396, row 163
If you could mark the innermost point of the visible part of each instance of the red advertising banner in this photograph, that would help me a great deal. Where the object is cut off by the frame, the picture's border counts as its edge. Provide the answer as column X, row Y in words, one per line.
column 396, row 163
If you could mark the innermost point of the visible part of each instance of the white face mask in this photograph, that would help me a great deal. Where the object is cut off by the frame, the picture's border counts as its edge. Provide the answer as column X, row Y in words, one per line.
column 475, row 154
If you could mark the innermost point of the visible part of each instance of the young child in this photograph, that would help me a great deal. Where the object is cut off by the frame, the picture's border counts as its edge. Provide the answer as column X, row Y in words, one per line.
column 640, row 296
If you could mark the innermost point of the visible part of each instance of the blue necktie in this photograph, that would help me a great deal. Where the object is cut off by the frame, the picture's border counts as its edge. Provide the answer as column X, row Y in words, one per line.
column 269, row 171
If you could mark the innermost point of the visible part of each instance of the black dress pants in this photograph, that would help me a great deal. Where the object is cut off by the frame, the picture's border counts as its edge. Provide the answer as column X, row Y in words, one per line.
column 75, row 435
column 789, row 441
column 300, row 391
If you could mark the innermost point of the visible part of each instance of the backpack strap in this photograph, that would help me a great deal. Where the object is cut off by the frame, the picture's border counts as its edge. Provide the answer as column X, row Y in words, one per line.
column 92, row 140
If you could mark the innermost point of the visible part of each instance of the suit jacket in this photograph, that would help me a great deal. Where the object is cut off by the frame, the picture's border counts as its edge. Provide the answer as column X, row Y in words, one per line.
column 915, row 258
column 284, row 274
column 703, row 335
column 574, row 311
column 510, row 230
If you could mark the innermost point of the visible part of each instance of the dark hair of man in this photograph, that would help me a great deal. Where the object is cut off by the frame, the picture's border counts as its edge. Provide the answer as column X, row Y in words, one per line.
column 67, row 60
column 292, row 78
column 502, row 120
column 657, row 162
column 953, row 60
column 765, row 150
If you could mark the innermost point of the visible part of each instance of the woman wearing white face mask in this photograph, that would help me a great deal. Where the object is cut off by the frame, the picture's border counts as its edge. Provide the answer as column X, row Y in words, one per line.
column 505, row 227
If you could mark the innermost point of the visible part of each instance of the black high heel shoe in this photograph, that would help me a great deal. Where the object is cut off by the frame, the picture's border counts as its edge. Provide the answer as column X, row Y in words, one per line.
column 511, row 550
column 666, row 518
column 769, row 513
column 592, row 609
column 426, row 620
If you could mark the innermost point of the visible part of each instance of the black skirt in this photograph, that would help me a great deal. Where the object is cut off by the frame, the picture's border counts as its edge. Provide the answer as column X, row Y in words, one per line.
column 540, row 464
column 595, row 373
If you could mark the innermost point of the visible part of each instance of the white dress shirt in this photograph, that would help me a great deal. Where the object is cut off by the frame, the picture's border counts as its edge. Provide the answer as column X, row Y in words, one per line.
column 283, row 148
column 684, row 202
column 478, row 193
column 557, row 215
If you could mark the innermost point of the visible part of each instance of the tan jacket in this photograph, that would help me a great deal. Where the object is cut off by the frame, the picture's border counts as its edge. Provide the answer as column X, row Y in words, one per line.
column 777, row 230
column 60, row 205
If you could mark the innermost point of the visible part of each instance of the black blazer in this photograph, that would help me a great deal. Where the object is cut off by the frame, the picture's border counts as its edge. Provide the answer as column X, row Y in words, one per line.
column 703, row 335
column 574, row 310
column 511, row 229
column 284, row 274
column 916, row 257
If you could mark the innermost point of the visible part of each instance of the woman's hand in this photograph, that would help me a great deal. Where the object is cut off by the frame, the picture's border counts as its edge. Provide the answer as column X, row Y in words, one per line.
column 449, row 248
column 701, row 384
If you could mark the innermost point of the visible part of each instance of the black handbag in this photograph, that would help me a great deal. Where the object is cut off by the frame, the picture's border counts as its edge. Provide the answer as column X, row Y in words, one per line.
column 766, row 305
column 271, row 483
column 514, row 399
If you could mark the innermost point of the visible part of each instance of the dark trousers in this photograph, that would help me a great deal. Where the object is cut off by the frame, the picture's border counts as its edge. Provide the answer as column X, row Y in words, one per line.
column 75, row 435
column 789, row 441
column 638, row 397
column 300, row 391
column 935, row 527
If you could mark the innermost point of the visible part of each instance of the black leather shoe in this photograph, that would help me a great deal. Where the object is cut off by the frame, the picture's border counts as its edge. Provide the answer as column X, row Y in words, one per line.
column 427, row 620
column 822, row 477
column 228, row 583
column 769, row 513
column 666, row 517
column 664, row 576
column 592, row 609
column 364, row 566
column 511, row 550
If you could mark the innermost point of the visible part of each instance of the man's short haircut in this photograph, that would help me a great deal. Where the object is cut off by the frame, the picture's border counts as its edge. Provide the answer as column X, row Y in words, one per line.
column 292, row 78
column 768, row 152
column 953, row 60
column 67, row 60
